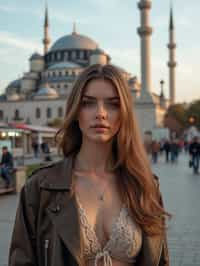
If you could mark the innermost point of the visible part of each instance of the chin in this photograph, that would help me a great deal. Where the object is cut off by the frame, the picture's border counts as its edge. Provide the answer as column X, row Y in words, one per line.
column 99, row 139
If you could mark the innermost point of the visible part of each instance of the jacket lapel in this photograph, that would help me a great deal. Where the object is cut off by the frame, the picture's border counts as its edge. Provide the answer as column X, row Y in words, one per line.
column 151, row 250
column 63, row 210
column 64, row 216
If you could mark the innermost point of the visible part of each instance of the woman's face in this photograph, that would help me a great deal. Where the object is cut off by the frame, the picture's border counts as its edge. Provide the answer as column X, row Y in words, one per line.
column 99, row 113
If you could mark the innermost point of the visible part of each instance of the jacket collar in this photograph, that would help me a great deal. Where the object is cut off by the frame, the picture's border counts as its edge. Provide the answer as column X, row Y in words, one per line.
column 58, row 176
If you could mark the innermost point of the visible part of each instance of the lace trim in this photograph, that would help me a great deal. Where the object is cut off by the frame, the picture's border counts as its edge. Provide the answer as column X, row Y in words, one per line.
column 121, row 228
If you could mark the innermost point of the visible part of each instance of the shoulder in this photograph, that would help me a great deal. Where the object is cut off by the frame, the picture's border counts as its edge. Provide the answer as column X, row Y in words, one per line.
column 35, row 179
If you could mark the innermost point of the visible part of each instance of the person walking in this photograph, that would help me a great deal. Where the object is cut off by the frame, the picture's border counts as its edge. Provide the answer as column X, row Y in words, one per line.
column 166, row 148
column 155, row 149
column 194, row 151
column 6, row 166
column 35, row 147
column 174, row 149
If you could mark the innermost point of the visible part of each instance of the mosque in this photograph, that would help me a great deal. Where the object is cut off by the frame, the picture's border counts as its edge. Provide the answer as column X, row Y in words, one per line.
column 39, row 96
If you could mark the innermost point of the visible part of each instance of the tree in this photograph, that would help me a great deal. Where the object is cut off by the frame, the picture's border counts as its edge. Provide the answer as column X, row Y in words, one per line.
column 178, row 112
column 193, row 111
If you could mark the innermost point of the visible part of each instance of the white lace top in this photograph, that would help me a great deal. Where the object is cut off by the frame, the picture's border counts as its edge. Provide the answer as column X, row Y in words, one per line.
column 124, row 242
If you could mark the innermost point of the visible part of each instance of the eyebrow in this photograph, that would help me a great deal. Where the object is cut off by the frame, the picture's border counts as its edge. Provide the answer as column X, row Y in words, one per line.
column 107, row 98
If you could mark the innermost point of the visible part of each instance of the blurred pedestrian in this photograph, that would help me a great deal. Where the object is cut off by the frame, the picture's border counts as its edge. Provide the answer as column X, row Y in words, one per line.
column 194, row 151
column 6, row 166
column 46, row 151
column 35, row 147
column 166, row 148
column 155, row 149
column 174, row 149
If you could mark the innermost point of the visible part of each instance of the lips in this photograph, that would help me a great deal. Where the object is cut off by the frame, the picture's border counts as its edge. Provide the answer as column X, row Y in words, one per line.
column 100, row 126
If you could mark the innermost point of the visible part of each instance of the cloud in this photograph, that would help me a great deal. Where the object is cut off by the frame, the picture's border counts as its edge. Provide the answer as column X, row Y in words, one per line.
column 10, row 39
column 61, row 17
column 17, row 10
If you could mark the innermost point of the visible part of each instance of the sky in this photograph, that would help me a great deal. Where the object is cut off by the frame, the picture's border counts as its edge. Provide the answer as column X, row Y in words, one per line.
column 113, row 25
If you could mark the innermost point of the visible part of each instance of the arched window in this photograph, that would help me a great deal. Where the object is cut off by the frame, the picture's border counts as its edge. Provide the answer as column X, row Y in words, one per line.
column 1, row 114
column 66, row 56
column 66, row 73
column 37, row 113
column 49, row 112
column 60, row 74
column 81, row 54
column 60, row 111
column 58, row 55
column 73, row 54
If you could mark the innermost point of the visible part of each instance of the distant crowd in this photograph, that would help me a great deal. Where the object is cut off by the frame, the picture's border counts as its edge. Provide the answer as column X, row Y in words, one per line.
column 172, row 149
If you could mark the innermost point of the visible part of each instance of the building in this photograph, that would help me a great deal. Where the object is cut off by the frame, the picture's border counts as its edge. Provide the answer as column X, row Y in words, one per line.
column 39, row 96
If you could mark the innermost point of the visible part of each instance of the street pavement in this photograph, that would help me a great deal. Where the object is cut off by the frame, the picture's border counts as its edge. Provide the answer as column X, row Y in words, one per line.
column 180, row 190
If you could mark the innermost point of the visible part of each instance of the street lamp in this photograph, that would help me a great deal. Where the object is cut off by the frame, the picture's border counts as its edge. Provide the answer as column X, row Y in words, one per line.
column 191, row 120
column 162, row 88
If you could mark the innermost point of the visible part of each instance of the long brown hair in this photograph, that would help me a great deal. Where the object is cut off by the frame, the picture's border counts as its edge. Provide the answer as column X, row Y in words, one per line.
column 136, row 183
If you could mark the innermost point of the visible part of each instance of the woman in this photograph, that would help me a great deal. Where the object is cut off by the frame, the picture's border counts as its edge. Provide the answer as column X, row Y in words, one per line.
column 101, row 205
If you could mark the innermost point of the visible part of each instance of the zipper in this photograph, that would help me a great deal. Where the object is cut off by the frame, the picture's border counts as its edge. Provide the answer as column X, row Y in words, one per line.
column 46, row 246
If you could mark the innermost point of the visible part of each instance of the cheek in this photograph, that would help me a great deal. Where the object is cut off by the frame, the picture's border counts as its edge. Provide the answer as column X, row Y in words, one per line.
column 115, row 119
column 84, row 118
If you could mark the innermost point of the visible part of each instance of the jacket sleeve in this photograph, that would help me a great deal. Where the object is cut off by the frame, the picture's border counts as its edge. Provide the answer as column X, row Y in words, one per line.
column 164, row 258
column 23, row 243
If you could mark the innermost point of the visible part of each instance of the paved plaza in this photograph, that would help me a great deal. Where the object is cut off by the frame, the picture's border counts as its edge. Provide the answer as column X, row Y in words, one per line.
column 181, row 193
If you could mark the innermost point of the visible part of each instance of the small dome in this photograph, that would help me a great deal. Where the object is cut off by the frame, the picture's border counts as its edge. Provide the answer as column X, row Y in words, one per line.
column 74, row 41
column 64, row 65
column 36, row 56
column 15, row 84
column 46, row 92
column 13, row 97
column 98, row 51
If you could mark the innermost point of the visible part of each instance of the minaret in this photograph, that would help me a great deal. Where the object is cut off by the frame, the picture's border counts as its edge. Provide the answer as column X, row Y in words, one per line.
column 172, row 63
column 145, row 32
column 46, row 40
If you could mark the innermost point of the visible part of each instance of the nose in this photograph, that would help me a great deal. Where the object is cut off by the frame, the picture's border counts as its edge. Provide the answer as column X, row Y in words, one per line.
column 101, row 112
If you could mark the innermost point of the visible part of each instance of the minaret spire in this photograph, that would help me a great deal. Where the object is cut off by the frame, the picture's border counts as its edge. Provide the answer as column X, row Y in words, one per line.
column 74, row 28
column 145, row 32
column 46, row 20
column 46, row 40
column 171, row 22
column 172, row 60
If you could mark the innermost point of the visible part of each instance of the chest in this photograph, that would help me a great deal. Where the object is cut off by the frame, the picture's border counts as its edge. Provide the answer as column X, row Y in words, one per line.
column 100, row 204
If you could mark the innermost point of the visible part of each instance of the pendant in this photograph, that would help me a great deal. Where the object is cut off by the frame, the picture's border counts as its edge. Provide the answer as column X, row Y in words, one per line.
column 101, row 198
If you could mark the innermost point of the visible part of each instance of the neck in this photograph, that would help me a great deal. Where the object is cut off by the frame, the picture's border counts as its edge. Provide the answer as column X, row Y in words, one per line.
column 94, row 157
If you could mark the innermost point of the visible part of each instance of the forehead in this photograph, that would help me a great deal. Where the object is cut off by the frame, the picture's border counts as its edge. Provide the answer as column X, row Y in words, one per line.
column 100, row 88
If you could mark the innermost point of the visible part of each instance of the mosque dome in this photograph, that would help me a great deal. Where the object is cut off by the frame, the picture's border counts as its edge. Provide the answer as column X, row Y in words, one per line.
column 64, row 65
column 36, row 56
column 98, row 51
column 13, row 87
column 46, row 93
column 15, row 84
column 74, row 41
column 13, row 97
